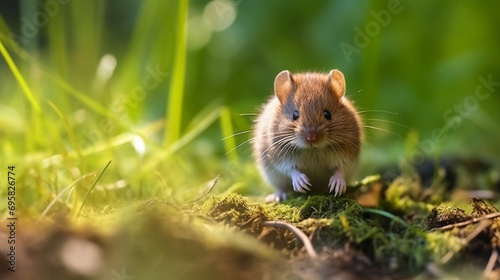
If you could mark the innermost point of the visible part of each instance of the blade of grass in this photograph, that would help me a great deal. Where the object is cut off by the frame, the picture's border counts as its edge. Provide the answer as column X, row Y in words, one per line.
column 20, row 80
column 184, row 140
column 58, row 52
column 84, row 98
column 80, row 96
column 387, row 215
column 28, row 9
column 192, row 134
column 138, row 45
column 227, row 131
column 86, row 19
column 108, row 144
column 57, row 40
column 176, row 91
column 3, row 26
column 203, row 113
column 71, row 133
column 92, row 188
column 59, row 196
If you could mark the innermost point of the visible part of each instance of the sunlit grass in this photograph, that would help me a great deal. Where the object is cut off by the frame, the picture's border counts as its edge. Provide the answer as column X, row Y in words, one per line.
column 227, row 131
column 19, row 78
column 76, row 129
column 176, row 91
column 91, row 189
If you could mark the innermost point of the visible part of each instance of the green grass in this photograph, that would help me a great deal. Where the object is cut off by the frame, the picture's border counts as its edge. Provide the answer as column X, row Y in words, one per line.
column 20, row 79
column 69, row 130
column 174, row 109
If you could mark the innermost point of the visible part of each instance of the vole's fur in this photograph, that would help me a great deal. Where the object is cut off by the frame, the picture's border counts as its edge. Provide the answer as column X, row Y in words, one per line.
column 308, row 135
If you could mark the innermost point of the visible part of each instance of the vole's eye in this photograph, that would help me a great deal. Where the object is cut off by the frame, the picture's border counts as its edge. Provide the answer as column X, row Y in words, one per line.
column 295, row 115
column 327, row 115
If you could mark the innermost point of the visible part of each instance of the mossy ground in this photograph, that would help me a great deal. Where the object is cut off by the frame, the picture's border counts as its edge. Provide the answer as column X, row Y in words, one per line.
column 226, row 237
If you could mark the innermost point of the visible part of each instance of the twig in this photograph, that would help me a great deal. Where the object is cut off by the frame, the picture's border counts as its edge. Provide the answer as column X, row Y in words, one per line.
column 433, row 270
column 437, row 273
column 491, row 263
column 302, row 236
column 480, row 227
column 473, row 220
column 208, row 191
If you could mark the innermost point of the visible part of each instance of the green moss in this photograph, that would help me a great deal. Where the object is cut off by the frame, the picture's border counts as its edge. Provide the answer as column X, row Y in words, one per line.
column 439, row 243
column 402, row 196
column 285, row 212
column 445, row 215
column 325, row 206
column 405, row 249
column 234, row 210
column 393, row 244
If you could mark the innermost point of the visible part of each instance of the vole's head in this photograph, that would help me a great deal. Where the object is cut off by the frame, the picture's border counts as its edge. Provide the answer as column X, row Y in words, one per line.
column 315, row 110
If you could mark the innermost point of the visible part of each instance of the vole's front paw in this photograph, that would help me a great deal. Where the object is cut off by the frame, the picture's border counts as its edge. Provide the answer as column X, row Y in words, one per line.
column 278, row 196
column 300, row 182
column 337, row 183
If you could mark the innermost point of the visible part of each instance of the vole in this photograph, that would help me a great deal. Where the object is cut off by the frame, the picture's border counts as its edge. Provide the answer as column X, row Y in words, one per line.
column 308, row 135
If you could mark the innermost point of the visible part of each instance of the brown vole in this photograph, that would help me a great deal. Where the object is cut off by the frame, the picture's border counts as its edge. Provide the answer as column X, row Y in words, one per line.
column 308, row 135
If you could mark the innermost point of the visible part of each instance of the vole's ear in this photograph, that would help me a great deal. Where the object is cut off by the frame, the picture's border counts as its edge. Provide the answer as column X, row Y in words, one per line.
column 284, row 85
column 337, row 82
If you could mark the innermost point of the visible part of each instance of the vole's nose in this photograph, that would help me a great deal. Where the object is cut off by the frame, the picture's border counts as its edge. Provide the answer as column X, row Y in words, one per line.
column 311, row 134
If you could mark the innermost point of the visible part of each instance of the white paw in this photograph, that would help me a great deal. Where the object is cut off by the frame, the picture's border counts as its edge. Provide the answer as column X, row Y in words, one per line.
column 300, row 182
column 337, row 184
column 276, row 197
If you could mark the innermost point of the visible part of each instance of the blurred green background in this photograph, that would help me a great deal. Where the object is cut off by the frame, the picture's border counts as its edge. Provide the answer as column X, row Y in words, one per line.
column 105, row 77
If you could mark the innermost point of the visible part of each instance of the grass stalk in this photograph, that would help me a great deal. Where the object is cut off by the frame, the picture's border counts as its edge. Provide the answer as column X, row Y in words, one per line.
column 227, row 132
column 20, row 80
column 176, row 91
column 91, row 189
column 183, row 141
column 387, row 215
column 71, row 132
column 58, row 197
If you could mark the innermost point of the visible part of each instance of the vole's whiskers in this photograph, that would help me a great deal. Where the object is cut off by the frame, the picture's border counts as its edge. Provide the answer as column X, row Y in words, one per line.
column 387, row 121
column 384, row 130
column 278, row 146
column 239, row 145
column 249, row 140
column 284, row 147
column 342, row 140
column 335, row 146
column 372, row 138
column 236, row 134
column 249, row 114
column 376, row 111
